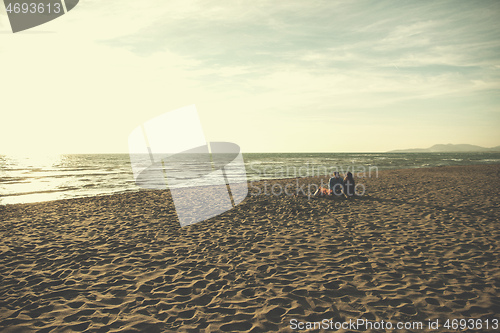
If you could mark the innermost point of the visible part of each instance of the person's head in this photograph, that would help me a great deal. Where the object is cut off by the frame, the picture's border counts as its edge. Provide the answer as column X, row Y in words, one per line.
column 336, row 174
column 348, row 175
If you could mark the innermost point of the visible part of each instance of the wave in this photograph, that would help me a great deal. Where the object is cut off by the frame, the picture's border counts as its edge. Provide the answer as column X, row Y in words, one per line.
column 86, row 175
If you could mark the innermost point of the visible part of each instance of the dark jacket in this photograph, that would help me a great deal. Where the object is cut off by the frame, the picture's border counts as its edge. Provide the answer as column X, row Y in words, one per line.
column 349, row 185
column 336, row 185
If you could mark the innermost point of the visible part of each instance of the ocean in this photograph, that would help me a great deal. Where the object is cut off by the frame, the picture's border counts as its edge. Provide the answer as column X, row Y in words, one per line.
column 25, row 179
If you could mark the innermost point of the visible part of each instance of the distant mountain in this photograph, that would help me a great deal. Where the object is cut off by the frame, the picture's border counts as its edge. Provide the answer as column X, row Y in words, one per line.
column 449, row 148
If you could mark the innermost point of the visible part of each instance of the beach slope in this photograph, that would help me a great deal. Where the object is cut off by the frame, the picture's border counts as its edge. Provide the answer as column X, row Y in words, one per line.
column 420, row 244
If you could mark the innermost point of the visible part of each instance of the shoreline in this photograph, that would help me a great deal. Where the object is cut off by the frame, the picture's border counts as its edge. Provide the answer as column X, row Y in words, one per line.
column 270, row 180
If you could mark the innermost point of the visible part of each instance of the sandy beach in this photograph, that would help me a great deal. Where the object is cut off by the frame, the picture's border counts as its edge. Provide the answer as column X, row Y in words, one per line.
column 419, row 245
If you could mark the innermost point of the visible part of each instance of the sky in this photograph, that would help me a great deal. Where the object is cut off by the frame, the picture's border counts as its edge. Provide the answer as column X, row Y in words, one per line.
column 287, row 76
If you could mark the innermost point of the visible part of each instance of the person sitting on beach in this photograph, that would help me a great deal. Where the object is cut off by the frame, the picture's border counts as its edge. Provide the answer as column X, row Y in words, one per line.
column 336, row 184
column 349, row 185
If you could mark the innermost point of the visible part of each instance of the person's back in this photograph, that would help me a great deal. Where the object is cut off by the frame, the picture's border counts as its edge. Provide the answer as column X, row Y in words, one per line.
column 349, row 185
column 336, row 184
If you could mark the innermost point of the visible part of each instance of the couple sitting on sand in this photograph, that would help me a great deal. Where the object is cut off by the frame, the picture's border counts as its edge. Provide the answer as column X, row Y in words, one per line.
column 338, row 186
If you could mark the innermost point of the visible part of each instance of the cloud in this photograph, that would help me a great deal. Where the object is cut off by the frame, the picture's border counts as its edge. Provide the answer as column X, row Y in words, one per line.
column 111, row 65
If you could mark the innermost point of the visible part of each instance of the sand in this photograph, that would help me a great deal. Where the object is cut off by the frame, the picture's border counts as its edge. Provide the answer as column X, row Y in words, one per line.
column 420, row 244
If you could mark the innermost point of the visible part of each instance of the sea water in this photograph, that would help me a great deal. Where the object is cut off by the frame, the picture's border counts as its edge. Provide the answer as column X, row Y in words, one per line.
column 25, row 179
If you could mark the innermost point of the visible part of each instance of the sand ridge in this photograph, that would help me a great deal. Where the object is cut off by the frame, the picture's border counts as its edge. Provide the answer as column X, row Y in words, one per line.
column 421, row 244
